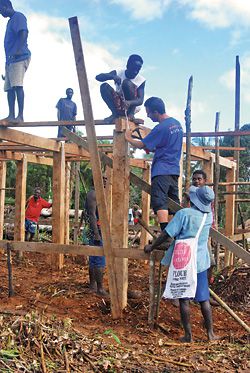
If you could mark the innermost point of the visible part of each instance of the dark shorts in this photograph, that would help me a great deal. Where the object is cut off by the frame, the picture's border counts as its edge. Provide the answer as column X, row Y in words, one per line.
column 202, row 290
column 96, row 261
column 30, row 226
column 162, row 187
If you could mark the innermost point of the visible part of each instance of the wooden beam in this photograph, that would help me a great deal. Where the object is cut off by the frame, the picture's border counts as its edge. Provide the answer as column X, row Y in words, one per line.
column 31, row 158
column 145, row 207
column 96, row 165
column 208, row 167
column 2, row 195
column 67, row 202
column 229, row 209
column 120, row 202
column 49, row 248
column 58, row 212
column 20, row 200
column 221, row 148
column 28, row 139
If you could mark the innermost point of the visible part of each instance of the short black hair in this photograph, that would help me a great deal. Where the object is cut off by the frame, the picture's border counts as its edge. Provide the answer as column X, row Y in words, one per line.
column 155, row 104
column 135, row 57
column 200, row 172
column 67, row 88
column 6, row 3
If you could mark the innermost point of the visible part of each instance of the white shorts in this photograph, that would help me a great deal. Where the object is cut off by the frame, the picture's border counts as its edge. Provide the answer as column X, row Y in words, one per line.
column 14, row 74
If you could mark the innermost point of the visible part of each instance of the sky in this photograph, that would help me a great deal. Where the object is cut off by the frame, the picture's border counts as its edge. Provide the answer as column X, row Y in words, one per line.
column 176, row 39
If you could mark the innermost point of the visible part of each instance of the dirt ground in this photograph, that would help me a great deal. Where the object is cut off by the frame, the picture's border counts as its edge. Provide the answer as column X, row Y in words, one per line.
column 134, row 346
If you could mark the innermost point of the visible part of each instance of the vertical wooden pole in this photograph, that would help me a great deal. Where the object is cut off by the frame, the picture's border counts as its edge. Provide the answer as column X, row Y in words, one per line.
column 20, row 200
column 188, row 136
column 180, row 180
column 120, row 202
column 96, row 165
column 67, row 201
column 229, row 209
column 216, row 187
column 208, row 167
column 145, row 206
column 58, row 208
column 77, row 195
column 108, row 190
column 2, row 195
column 237, row 127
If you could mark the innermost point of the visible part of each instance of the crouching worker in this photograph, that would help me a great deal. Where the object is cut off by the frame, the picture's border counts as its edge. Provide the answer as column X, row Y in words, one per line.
column 94, row 238
column 188, row 257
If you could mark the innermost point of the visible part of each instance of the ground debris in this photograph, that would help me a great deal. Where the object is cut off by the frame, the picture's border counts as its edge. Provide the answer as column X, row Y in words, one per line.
column 233, row 286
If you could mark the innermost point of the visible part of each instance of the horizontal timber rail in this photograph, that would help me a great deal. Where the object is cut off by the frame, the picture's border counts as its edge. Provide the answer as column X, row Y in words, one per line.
column 53, row 248
column 102, row 123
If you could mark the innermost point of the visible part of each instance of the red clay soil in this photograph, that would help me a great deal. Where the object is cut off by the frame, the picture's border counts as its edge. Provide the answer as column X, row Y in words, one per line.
column 64, row 294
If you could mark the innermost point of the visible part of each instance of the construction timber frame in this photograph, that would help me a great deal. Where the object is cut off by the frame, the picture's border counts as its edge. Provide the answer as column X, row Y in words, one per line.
column 112, row 204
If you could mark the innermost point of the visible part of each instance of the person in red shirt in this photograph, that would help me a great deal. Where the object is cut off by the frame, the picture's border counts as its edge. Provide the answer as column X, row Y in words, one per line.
column 34, row 206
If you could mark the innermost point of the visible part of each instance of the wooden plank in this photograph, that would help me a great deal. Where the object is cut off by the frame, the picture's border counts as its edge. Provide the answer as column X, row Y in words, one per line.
column 208, row 167
column 2, row 195
column 73, row 149
column 120, row 201
column 230, row 209
column 222, row 148
column 20, row 200
column 49, row 248
column 145, row 207
column 28, row 139
column 38, row 159
column 99, row 122
column 67, row 202
column 96, row 165
column 58, row 212
column 77, row 196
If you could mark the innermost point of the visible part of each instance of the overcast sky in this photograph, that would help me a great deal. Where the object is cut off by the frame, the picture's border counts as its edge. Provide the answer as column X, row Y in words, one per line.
column 176, row 38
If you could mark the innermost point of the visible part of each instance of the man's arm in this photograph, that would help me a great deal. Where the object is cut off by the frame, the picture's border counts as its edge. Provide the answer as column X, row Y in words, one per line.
column 91, row 201
column 21, row 41
column 103, row 77
column 140, row 97
column 161, row 243
column 136, row 143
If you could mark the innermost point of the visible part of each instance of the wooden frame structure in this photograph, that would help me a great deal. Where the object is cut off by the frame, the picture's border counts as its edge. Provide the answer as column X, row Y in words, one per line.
column 113, row 210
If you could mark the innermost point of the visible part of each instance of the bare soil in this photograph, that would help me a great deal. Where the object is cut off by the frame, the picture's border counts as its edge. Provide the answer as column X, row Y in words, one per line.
column 127, row 345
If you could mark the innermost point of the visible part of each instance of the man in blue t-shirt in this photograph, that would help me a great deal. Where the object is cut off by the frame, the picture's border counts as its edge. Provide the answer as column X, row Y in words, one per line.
column 165, row 140
column 66, row 110
column 17, row 58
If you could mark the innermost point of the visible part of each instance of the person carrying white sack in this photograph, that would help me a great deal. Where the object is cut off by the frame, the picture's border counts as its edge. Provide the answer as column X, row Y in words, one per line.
column 185, row 238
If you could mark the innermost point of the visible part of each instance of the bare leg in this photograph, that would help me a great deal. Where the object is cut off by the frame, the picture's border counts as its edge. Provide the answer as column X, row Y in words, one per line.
column 185, row 319
column 11, row 96
column 129, row 91
column 207, row 315
column 107, row 96
column 20, row 101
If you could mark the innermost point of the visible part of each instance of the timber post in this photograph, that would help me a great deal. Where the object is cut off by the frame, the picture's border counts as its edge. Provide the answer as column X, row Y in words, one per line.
column 2, row 195
column 67, row 201
column 120, row 205
column 96, row 165
column 145, row 206
column 20, row 200
column 58, row 209
column 229, row 210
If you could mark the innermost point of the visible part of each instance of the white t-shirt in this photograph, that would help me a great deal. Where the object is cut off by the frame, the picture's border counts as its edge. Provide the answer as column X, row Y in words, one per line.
column 138, row 81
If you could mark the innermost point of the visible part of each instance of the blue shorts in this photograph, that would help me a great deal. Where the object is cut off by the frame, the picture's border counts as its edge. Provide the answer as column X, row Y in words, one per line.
column 96, row 261
column 202, row 290
column 30, row 226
